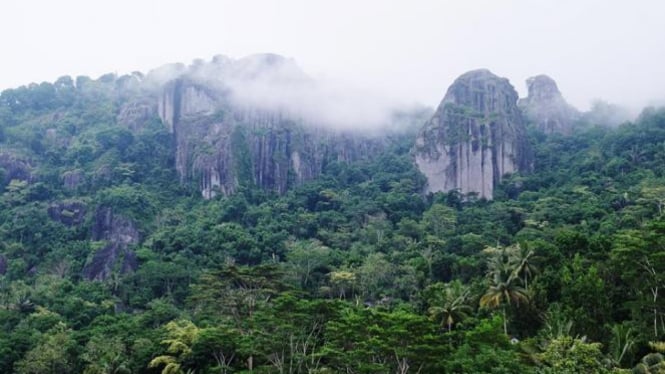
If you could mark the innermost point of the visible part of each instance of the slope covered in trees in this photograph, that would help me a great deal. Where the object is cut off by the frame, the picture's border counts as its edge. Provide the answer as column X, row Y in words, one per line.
column 109, row 265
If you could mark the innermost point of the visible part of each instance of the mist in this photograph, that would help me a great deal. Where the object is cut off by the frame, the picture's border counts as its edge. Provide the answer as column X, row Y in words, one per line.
column 277, row 84
column 365, row 56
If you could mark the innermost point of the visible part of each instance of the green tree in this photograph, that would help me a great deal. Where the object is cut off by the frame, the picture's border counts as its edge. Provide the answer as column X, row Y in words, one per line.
column 52, row 354
column 180, row 338
column 105, row 355
column 567, row 355
column 449, row 303
column 505, row 288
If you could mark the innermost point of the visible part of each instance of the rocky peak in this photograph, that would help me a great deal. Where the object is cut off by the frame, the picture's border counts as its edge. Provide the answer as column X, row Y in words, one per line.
column 546, row 108
column 542, row 88
column 475, row 137
column 232, row 126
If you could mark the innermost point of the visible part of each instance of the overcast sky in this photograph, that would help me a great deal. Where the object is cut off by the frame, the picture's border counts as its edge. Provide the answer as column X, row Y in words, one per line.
column 411, row 50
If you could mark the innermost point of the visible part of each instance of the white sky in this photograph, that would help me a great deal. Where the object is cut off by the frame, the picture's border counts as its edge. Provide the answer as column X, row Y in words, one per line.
column 413, row 50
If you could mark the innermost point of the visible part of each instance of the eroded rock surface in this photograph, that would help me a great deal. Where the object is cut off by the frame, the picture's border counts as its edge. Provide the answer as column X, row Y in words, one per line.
column 70, row 213
column 474, row 138
column 119, row 233
column 224, row 141
column 546, row 108
column 14, row 167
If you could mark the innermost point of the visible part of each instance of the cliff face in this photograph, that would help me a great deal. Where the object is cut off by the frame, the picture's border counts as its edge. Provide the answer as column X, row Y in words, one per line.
column 476, row 136
column 221, row 145
column 546, row 108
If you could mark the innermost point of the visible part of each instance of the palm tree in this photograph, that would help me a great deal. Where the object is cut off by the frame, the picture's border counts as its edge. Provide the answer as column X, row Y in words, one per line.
column 504, row 283
column 451, row 306
column 524, row 260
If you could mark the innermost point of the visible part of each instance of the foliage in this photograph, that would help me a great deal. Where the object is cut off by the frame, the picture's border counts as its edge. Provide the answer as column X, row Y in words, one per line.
column 356, row 271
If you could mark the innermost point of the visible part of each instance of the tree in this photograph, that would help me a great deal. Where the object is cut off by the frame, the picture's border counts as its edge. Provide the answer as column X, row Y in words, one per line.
column 449, row 303
column 235, row 294
column 567, row 355
column 181, row 335
column 304, row 259
column 585, row 298
column 525, row 260
column 485, row 349
column 645, row 251
column 374, row 341
column 505, row 287
column 221, row 343
column 52, row 354
column 440, row 220
column 105, row 355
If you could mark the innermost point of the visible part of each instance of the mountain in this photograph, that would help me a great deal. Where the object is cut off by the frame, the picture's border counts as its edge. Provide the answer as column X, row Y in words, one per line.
column 546, row 108
column 475, row 137
column 226, row 216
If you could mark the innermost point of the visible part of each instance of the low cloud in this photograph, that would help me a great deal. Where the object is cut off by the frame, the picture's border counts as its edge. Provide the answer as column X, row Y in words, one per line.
column 277, row 84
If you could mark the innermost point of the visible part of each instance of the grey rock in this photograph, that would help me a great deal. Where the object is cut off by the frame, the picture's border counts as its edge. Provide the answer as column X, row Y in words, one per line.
column 119, row 233
column 113, row 227
column 69, row 213
column 546, row 108
column 135, row 114
column 15, row 167
column 474, row 138
column 221, row 145
column 73, row 179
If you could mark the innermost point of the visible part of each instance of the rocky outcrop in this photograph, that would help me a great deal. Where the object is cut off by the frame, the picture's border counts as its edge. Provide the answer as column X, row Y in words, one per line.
column 14, row 168
column 135, row 114
column 223, row 142
column 73, row 179
column 474, row 138
column 118, row 233
column 546, row 108
column 69, row 213
column 221, row 153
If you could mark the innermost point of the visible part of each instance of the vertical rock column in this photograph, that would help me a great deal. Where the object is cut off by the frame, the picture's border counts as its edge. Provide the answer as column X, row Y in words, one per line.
column 476, row 136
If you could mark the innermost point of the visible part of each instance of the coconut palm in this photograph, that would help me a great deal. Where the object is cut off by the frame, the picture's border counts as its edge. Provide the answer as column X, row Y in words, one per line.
column 451, row 305
column 505, row 286
column 524, row 259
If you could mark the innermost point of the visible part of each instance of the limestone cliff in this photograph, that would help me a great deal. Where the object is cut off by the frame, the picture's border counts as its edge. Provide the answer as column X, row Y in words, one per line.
column 546, row 108
column 474, row 138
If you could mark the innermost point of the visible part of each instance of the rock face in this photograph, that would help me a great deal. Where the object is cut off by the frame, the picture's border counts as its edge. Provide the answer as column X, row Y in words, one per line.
column 476, row 136
column 119, row 233
column 546, row 108
column 70, row 213
column 72, row 179
column 14, row 167
column 135, row 114
column 222, row 144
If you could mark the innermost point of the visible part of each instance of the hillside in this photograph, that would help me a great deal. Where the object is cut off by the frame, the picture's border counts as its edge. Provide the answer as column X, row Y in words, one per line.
column 170, row 223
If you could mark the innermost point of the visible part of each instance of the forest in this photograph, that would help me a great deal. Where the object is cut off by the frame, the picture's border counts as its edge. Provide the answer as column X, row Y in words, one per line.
column 356, row 271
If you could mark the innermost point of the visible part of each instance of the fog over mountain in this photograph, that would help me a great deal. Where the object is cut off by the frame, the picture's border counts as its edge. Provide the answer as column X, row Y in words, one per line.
column 276, row 84
column 398, row 51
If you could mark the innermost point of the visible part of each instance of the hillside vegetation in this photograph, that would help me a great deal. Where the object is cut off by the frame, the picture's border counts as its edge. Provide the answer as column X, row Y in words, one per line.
column 109, row 264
